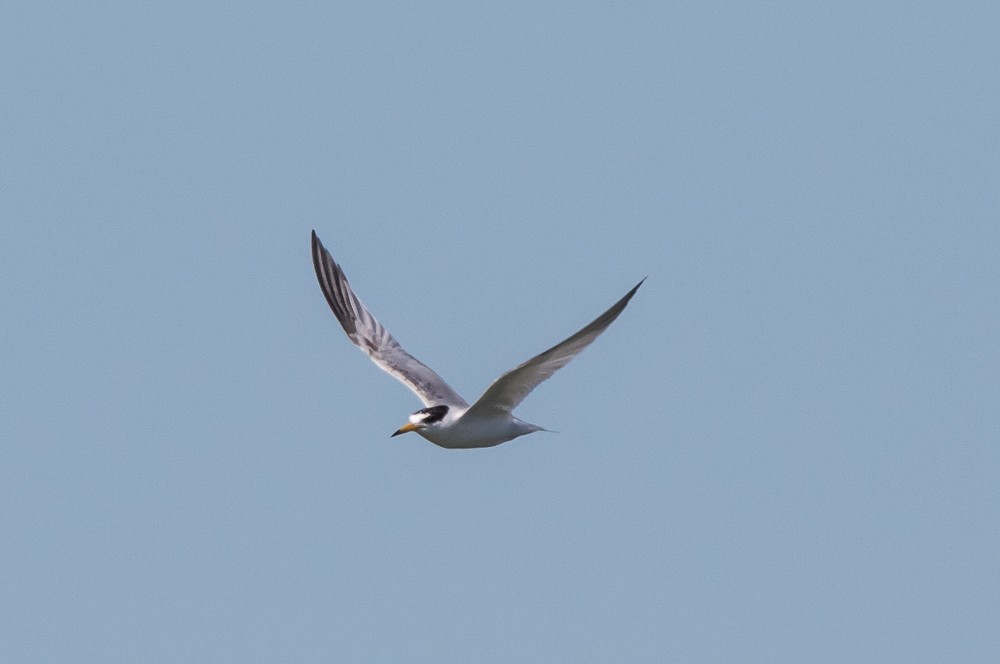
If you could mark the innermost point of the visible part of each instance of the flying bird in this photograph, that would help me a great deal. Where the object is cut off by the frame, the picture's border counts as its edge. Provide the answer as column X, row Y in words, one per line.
column 446, row 418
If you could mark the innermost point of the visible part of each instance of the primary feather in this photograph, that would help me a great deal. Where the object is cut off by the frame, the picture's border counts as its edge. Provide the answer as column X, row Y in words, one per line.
column 509, row 390
column 371, row 336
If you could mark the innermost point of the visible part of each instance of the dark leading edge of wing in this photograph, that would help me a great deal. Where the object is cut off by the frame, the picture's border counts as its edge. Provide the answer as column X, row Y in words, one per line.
column 371, row 337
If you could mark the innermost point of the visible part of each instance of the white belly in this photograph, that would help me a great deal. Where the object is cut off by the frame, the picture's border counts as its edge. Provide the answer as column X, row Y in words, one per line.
column 465, row 434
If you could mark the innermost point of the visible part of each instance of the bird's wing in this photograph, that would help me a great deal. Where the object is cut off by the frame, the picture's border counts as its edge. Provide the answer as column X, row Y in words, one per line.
column 369, row 335
column 508, row 390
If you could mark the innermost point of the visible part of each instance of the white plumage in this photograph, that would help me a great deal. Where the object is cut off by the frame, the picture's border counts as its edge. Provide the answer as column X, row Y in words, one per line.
column 447, row 419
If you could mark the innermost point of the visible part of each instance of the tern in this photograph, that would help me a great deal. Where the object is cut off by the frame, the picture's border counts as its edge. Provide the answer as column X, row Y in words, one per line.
column 447, row 419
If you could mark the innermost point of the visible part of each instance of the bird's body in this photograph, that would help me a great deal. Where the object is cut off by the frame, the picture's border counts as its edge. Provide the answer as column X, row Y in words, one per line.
column 457, row 430
column 446, row 419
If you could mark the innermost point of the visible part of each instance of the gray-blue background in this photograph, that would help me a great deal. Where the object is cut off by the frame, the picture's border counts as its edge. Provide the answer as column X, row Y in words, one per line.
column 786, row 449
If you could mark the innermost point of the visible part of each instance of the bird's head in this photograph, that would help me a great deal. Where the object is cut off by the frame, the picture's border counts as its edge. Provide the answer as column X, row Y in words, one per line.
column 423, row 418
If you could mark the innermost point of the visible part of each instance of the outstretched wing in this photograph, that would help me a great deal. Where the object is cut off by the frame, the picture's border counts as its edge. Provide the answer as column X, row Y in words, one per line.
column 369, row 335
column 508, row 390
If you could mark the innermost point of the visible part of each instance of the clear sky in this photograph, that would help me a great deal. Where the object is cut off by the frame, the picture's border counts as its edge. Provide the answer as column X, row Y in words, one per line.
column 787, row 449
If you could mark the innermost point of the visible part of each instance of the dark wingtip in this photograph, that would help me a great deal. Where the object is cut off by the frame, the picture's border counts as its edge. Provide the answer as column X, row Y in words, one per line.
column 628, row 295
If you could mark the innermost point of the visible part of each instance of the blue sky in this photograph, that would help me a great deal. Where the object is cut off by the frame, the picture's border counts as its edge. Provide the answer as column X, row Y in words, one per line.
column 785, row 450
